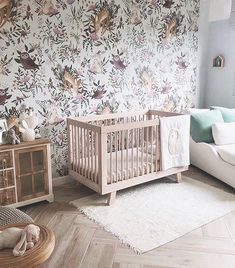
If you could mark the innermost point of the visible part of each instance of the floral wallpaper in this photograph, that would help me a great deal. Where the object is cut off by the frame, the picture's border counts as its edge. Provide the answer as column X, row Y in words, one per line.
column 77, row 57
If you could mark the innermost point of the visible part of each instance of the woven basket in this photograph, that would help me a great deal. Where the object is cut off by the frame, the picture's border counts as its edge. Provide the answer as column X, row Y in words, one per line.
column 32, row 257
column 13, row 216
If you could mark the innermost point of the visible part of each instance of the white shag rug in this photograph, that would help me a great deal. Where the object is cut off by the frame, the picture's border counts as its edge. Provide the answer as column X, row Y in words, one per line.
column 150, row 215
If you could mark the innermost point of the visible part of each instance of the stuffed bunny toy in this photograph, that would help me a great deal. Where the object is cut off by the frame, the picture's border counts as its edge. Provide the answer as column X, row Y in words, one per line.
column 29, row 236
column 28, row 122
column 18, row 239
column 10, row 237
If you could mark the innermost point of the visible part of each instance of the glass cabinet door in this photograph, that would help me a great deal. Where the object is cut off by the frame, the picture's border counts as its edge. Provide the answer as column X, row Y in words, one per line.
column 31, row 173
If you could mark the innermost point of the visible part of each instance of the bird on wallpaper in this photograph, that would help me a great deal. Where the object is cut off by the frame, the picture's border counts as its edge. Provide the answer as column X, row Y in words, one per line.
column 27, row 62
column 4, row 96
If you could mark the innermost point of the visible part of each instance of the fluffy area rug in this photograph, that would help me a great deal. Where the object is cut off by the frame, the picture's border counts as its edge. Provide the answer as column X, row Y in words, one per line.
column 153, row 214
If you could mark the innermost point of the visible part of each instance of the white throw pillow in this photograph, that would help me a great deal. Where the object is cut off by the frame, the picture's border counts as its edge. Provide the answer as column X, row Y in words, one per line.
column 197, row 110
column 223, row 133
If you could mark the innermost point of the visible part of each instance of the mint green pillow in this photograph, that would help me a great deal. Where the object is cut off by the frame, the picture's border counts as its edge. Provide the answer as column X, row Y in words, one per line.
column 201, row 125
column 228, row 114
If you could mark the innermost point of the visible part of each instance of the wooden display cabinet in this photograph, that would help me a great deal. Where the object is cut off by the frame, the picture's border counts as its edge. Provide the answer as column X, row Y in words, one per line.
column 25, row 173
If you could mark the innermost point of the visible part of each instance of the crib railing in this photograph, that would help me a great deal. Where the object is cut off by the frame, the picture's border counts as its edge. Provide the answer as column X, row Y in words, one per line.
column 112, row 151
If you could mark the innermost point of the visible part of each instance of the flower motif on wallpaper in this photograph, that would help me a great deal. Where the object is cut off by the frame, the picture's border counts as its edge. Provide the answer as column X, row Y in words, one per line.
column 97, row 65
column 4, row 96
column 53, row 33
column 147, row 79
column 5, row 65
column 51, row 113
column 182, row 62
column 118, row 62
column 166, row 87
column 99, row 91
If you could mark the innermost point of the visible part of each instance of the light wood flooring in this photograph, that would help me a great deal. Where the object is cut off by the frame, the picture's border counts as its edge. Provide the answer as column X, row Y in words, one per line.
column 81, row 243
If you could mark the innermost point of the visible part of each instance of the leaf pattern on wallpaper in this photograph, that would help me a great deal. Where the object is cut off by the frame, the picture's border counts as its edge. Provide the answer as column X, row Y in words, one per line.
column 78, row 57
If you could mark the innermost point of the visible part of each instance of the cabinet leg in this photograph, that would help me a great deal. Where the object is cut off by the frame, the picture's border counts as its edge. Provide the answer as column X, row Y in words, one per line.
column 179, row 177
column 50, row 199
column 111, row 198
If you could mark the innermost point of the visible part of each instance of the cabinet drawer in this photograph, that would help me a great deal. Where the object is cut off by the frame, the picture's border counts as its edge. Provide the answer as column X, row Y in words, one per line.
column 6, row 159
column 7, row 197
column 6, row 178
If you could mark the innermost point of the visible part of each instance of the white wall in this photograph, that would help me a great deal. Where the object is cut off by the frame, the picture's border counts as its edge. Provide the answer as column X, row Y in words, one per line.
column 220, row 81
column 202, row 51
column 219, row 9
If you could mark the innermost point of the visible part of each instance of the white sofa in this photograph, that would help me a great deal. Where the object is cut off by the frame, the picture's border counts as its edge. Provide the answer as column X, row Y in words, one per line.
column 219, row 161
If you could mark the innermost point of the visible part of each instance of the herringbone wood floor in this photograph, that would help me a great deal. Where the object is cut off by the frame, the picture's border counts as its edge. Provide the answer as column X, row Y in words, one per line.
column 81, row 243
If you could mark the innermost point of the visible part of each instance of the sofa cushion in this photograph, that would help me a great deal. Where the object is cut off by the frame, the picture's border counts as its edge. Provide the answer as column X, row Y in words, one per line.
column 201, row 125
column 228, row 114
column 227, row 153
column 223, row 133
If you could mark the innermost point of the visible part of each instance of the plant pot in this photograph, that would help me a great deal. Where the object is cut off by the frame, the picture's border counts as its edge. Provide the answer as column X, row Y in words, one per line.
column 28, row 135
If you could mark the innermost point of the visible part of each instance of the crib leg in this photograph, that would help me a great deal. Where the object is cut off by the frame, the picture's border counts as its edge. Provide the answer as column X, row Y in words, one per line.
column 179, row 177
column 111, row 198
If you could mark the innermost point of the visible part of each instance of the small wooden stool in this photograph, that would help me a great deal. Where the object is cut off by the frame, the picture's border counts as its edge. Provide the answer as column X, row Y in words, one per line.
column 32, row 257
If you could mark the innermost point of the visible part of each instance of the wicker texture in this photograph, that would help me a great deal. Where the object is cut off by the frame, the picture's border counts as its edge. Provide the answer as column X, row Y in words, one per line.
column 13, row 216
column 32, row 257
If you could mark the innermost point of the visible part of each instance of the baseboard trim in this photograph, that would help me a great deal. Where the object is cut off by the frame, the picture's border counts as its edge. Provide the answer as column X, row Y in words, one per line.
column 61, row 180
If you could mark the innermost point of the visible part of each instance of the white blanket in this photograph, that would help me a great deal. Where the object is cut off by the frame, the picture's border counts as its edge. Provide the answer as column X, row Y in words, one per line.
column 175, row 133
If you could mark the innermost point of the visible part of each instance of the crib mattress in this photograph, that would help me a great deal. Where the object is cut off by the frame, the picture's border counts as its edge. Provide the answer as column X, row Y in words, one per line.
column 122, row 164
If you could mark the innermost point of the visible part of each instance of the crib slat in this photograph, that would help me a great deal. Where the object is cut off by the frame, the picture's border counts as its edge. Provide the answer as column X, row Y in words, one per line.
column 151, row 130
column 116, row 155
column 69, row 143
column 88, row 155
column 77, row 149
column 132, row 153
column 82, row 148
column 85, row 151
column 127, row 154
column 137, row 152
column 111, row 157
column 102, row 152
column 92, row 156
column 122, row 148
column 147, row 149
column 72, row 148
column 96, row 157
column 142, row 151
column 157, row 145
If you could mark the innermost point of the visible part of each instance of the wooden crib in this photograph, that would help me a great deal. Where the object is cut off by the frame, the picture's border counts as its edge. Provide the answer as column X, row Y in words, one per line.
column 111, row 152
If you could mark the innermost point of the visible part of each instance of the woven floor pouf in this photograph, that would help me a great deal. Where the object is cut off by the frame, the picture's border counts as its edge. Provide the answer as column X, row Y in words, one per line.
column 12, row 216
